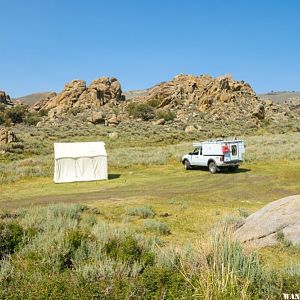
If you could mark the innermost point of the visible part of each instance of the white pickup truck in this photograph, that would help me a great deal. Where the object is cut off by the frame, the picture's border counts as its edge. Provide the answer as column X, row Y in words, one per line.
column 215, row 155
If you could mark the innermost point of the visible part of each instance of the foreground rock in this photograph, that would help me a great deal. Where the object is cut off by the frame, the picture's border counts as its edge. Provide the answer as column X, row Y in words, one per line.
column 7, row 136
column 265, row 226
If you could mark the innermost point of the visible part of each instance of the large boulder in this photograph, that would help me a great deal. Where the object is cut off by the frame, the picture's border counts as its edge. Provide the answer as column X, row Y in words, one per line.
column 159, row 122
column 259, row 112
column 96, row 117
column 278, row 219
column 7, row 136
column 113, row 120
column 190, row 128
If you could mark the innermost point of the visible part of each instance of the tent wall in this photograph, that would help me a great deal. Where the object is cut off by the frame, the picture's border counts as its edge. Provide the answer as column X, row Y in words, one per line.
column 82, row 149
column 71, row 169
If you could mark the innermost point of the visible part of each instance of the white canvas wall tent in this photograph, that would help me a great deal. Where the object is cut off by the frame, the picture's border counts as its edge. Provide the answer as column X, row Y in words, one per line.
column 79, row 162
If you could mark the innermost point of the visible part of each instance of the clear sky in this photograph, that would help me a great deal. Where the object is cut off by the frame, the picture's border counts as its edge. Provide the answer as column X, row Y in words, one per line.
column 45, row 43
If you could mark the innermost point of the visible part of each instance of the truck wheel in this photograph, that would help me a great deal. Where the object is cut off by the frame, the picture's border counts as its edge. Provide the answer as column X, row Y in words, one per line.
column 187, row 165
column 212, row 167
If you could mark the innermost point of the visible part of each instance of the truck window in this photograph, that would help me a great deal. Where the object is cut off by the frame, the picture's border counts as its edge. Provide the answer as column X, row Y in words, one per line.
column 234, row 150
column 196, row 151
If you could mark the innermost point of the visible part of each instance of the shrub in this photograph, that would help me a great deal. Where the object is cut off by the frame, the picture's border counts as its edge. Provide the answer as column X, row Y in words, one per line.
column 43, row 112
column 74, row 111
column 153, row 102
column 281, row 239
column 75, row 238
column 67, row 211
column 11, row 235
column 32, row 119
column 167, row 115
column 160, row 227
column 291, row 278
column 126, row 249
column 4, row 119
column 141, row 110
column 90, row 220
column 17, row 113
column 143, row 212
column 16, row 147
column 243, row 213
column 96, row 211
column 2, row 107
column 165, row 281
column 6, row 270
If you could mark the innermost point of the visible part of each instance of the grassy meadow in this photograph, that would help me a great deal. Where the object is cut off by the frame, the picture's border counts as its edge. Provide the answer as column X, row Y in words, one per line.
column 152, row 231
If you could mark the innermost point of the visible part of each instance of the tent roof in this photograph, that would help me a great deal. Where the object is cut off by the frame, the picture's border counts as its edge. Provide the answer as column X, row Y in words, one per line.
column 75, row 150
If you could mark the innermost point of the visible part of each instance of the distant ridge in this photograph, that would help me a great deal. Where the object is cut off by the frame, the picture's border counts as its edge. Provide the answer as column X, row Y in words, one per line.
column 280, row 96
column 32, row 98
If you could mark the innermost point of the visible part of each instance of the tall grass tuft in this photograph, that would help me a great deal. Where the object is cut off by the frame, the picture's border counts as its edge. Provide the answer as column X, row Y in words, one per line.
column 143, row 212
column 157, row 226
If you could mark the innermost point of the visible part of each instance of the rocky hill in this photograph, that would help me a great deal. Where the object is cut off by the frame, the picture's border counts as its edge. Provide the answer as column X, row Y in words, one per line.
column 76, row 94
column 182, row 102
column 221, row 98
column 207, row 93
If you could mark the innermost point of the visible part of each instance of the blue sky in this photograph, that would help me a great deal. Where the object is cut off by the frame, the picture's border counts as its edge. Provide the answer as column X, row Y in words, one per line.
column 44, row 44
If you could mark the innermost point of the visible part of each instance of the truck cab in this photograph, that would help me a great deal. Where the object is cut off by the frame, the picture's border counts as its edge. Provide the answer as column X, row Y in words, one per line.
column 215, row 155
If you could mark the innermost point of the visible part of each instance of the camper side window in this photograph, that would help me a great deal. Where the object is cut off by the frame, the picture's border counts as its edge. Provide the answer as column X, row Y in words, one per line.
column 233, row 150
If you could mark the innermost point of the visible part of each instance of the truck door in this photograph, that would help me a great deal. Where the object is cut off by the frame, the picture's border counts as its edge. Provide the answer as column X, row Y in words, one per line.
column 202, row 160
column 195, row 157
column 234, row 151
column 198, row 159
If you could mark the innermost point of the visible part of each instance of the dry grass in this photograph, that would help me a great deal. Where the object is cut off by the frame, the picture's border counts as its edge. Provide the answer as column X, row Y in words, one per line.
column 37, row 161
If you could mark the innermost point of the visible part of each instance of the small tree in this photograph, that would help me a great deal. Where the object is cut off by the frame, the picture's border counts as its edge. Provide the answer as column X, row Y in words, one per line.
column 141, row 110
column 17, row 113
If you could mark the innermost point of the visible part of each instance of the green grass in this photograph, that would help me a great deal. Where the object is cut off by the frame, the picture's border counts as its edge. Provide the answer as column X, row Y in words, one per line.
column 195, row 200
column 64, row 255
column 36, row 158
column 146, row 180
